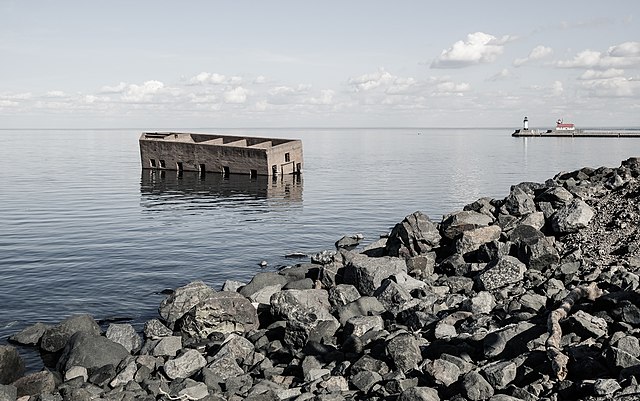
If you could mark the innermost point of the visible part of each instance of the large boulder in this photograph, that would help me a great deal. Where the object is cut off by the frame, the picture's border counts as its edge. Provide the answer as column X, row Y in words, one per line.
column 270, row 281
column 11, row 365
column 456, row 223
column 30, row 335
column 368, row 273
column 55, row 338
column 182, row 300
column 34, row 384
column 572, row 217
column 472, row 239
column 91, row 351
column 223, row 312
column 415, row 235
column 185, row 365
column 519, row 203
column 125, row 335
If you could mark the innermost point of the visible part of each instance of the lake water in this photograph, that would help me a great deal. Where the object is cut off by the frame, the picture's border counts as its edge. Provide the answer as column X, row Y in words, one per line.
column 84, row 229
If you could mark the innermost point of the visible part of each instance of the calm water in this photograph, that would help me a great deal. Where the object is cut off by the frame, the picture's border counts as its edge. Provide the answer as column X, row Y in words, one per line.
column 84, row 229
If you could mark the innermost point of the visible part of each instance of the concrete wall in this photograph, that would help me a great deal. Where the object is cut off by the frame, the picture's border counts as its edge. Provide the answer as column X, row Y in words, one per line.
column 219, row 154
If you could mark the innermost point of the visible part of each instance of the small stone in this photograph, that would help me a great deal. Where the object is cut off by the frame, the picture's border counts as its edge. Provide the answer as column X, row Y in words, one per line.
column 155, row 330
column 358, row 325
column 125, row 335
column 365, row 380
column 500, row 374
column 185, row 365
column 606, row 386
column 404, row 352
column 35, row 383
column 419, row 394
column 182, row 300
column 476, row 387
column 504, row 271
column 125, row 375
column 443, row 372
column 589, row 325
column 76, row 371
column 168, row 346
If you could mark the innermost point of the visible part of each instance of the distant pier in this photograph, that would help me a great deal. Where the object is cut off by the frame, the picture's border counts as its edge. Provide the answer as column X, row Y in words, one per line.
column 578, row 133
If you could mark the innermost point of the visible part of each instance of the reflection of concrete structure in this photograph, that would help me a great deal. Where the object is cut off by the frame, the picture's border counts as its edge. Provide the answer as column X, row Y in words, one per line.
column 181, row 186
column 220, row 153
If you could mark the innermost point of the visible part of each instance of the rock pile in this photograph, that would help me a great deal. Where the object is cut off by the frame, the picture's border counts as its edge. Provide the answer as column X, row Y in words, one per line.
column 532, row 297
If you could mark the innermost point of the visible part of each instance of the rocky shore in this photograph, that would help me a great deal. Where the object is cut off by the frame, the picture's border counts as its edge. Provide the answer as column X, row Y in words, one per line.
column 531, row 297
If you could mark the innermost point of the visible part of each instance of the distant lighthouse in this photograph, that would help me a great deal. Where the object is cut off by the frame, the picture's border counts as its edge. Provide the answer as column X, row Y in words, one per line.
column 525, row 124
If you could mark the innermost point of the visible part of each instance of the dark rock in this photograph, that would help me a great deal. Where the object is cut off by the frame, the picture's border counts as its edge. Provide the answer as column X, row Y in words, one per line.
column 369, row 272
column 587, row 325
column 519, row 203
column 476, row 387
column 55, row 338
column 482, row 205
column 534, row 249
column 415, row 235
column 369, row 363
column 496, row 342
column 126, row 373
column 421, row 266
column 30, row 335
column 404, row 351
column 91, row 351
column 223, row 312
column 419, row 394
column 365, row 380
column 443, row 372
column 342, row 294
column 557, row 196
column 500, row 374
column 103, row 375
column 304, row 284
column 572, row 217
column 182, row 300
column 606, row 387
column 35, row 383
column 620, row 359
column 502, row 272
column 261, row 281
column 471, row 240
column 11, row 364
column 392, row 296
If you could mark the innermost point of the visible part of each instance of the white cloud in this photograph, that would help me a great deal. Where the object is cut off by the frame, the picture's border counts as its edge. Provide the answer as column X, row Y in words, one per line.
column 141, row 93
column 207, row 78
column 593, row 74
column 325, row 98
column 114, row 89
column 371, row 81
column 478, row 48
column 260, row 79
column 452, row 87
column 538, row 53
column 56, row 93
column 500, row 75
column 557, row 89
column 237, row 95
column 613, row 87
column 623, row 55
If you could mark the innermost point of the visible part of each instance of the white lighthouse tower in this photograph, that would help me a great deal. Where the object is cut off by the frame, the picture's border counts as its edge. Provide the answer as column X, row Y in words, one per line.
column 525, row 124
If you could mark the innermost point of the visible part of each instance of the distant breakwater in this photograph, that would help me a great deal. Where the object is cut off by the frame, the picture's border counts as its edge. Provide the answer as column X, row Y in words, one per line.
column 530, row 297
column 578, row 133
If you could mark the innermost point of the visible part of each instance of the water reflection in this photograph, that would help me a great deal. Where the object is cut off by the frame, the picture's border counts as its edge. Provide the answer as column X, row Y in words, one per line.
column 192, row 189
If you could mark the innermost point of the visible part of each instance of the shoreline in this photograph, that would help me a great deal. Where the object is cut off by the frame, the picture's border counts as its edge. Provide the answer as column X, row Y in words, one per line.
column 457, row 309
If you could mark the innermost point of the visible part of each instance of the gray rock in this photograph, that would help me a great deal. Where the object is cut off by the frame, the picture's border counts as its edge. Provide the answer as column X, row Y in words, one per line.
column 482, row 205
column 182, row 300
column 302, row 305
column 533, row 302
column 369, row 272
column 168, row 346
column 456, row 223
column 236, row 347
column 606, row 386
column 535, row 220
column 415, row 235
column 30, row 335
column 476, row 387
column 369, row 363
column 223, row 312
column 232, row 285
column 125, row 335
column 365, row 380
column 11, row 364
column 342, row 294
column 8, row 392
column 519, row 203
column 557, row 196
column 125, row 375
column 261, row 281
column 224, row 368
column 465, row 366
column 502, row 272
column 76, row 371
column 303, row 284
column 443, row 372
column 621, row 359
column 419, row 394
column 404, row 351
column 155, row 330
column 505, row 397
column 588, row 325
column 392, row 296
column 471, row 240
column 482, row 302
column 630, row 345
column 572, row 217
column 421, row 266
column 363, row 306
column 35, row 383
column 496, row 342
column 358, row 325
column 500, row 374
column 348, row 241
column 55, row 338
column 91, row 351
column 184, row 365
column 190, row 390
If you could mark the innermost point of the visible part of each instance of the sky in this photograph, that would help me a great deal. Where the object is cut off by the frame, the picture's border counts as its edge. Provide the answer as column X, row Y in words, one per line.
column 154, row 64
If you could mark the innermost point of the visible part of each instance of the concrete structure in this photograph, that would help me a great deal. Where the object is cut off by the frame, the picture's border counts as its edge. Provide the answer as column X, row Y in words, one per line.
column 525, row 124
column 220, row 153
column 560, row 126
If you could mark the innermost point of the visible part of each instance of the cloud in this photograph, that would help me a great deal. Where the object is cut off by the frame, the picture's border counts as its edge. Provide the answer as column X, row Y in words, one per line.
column 478, row 48
column 593, row 74
column 207, row 78
column 114, row 89
column 557, row 89
column 623, row 55
column 237, row 95
column 501, row 75
column 371, row 81
column 325, row 98
column 142, row 93
column 612, row 87
column 452, row 87
column 538, row 53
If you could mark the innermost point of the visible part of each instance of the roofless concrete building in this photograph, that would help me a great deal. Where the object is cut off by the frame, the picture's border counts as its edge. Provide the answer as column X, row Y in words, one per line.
column 220, row 153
